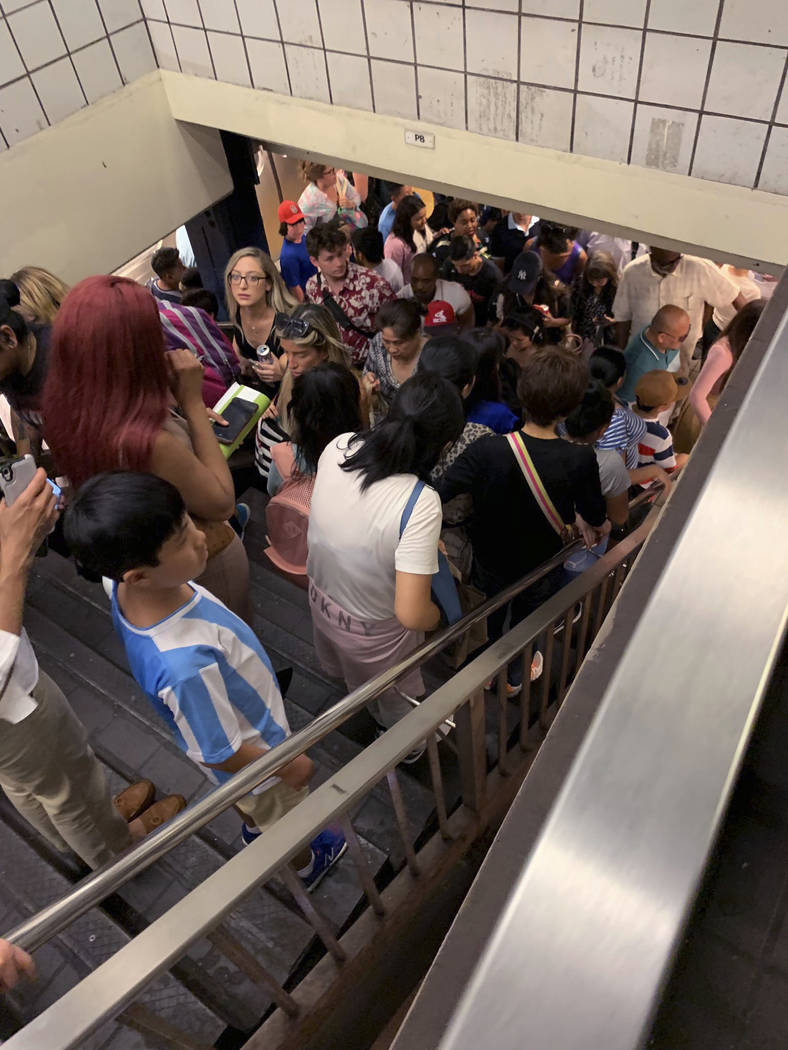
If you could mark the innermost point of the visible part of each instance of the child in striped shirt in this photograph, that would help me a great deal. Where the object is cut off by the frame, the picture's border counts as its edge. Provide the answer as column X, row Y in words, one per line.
column 625, row 430
column 200, row 665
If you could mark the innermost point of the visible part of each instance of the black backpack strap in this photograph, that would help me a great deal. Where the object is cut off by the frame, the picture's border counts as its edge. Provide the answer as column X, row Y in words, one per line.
column 339, row 314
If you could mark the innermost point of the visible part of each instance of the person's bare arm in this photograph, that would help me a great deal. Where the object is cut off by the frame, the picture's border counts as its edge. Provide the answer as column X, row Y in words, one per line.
column 622, row 333
column 466, row 318
column 297, row 292
column 413, row 604
column 13, row 962
column 618, row 509
column 201, row 476
column 23, row 527
column 295, row 774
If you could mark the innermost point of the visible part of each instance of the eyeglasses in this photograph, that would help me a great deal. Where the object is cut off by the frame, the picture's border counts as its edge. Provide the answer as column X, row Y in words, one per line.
column 292, row 327
column 252, row 279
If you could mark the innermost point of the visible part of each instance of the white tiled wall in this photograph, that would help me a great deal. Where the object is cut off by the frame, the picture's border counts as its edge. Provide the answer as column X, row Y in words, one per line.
column 688, row 86
column 58, row 56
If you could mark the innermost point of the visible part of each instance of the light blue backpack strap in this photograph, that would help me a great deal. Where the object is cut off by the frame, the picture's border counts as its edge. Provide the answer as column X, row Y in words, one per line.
column 403, row 521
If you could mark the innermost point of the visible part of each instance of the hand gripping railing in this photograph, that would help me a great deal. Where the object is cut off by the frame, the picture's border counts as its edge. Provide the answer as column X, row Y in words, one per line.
column 41, row 927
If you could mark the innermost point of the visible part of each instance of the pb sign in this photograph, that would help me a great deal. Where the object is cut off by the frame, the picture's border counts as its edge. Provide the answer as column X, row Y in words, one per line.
column 420, row 138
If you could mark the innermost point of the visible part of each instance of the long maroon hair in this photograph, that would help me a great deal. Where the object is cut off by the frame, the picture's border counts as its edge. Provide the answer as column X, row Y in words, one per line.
column 107, row 391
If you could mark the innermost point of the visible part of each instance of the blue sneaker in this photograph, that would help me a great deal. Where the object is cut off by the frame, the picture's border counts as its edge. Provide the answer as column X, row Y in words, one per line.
column 242, row 516
column 327, row 848
column 248, row 835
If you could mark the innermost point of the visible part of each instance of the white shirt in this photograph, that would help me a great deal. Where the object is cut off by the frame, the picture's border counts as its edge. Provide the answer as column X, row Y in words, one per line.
column 641, row 292
column 18, row 660
column 448, row 291
column 390, row 272
column 355, row 549
column 723, row 315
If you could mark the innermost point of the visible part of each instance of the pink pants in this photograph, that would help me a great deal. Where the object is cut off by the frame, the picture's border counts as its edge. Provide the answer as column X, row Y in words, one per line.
column 357, row 650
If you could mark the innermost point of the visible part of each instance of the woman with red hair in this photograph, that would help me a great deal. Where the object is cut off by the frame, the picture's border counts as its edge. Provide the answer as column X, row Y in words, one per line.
column 110, row 404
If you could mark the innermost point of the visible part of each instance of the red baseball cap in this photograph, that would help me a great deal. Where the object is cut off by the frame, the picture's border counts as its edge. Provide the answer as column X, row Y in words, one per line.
column 289, row 212
column 439, row 313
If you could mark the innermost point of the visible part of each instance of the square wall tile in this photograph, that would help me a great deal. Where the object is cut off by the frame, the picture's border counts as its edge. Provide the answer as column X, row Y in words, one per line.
column 442, row 97
column 20, row 112
column 438, row 36
column 491, row 44
column 258, row 18
column 59, row 90
column 674, row 70
column 602, row 127
column 80, row 22
column 229, row 58
column 37, row 35
column 299, row 23
column 615, row 12
column 763, row 22
column 494, row 5
column 184, row 13
column 545, row 117
column 745, row 80
column 163, row 45
column 677, row 16
column 782, row 109
column 343, row 25
column 774, row 173
column 154, row 9
column 553, row 8
column 193, row 53
column 119, row 13
column 548, row 52
column 389, row 30
column 97, row 70
column 220, row 14
column 728, row 150
column 663, row 138
column 394, row 87
column 307, row 68
column 11, row 65
column 609, row 60
column 268, row 66
column 492, row 107
column 8, row 6
column 350, row 83
column 133, row 52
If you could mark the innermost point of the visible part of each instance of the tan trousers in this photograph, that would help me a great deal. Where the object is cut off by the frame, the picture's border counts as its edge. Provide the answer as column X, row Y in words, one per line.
column 51, row 775
column 265, row 809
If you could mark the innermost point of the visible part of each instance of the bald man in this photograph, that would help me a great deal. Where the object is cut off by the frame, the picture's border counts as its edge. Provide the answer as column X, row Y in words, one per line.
column 426, row 286
column 662, row 277
column 655, row 347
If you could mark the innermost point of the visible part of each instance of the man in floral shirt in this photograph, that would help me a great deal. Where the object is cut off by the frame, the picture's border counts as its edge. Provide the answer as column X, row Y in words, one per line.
column 352, row 294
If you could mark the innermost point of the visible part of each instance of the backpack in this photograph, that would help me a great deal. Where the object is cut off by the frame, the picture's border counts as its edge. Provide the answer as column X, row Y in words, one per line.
column 287, row 515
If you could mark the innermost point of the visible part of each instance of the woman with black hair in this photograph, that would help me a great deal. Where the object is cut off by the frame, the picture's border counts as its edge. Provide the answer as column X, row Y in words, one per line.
column 394, row 352
column 373, row 540
column 325, row 402
column 485, row 402
column 409, row 235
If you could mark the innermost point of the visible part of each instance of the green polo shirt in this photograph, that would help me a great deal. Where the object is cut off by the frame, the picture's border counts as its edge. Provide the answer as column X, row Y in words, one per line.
column 642, row 356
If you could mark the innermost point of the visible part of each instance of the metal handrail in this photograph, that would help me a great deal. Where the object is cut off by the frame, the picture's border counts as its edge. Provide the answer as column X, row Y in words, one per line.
column 116, row 982
column 47, row 923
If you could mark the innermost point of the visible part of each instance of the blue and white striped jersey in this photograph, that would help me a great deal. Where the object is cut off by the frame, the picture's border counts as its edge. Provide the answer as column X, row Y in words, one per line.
column 209, row 678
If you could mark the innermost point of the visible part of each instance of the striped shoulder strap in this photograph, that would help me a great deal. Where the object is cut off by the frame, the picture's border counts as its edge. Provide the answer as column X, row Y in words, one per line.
column 540, row 493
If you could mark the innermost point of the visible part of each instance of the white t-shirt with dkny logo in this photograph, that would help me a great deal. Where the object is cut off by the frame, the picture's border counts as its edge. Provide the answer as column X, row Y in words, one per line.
column 355, row 548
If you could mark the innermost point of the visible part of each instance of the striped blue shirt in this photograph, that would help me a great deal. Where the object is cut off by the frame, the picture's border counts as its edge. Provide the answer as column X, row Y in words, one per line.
column 623, row 434
column 209, row 678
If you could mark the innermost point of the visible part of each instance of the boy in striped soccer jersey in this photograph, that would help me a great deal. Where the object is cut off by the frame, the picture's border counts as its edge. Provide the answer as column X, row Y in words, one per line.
column 202, row 667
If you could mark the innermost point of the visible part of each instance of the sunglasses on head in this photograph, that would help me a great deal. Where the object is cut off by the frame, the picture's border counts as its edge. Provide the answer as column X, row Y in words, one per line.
column 292, row 327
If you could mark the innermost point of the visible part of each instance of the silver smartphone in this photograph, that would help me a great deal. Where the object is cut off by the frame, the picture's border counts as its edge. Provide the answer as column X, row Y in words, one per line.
column 16, row 475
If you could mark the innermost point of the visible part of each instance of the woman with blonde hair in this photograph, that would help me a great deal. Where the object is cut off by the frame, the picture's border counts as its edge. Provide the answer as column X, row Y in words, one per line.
column 256, row 294
column 308, row 337
column 40, row 293
column 329, row 194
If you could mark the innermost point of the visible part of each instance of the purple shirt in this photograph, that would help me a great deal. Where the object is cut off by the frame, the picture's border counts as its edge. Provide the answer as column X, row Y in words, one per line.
column 191, row 327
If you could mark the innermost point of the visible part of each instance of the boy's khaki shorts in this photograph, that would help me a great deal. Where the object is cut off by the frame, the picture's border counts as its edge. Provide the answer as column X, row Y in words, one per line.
column 265, row 809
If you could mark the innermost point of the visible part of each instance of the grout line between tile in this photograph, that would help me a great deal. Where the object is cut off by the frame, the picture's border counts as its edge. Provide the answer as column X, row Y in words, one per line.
column 415, row 59
column 246, row 49
column 701, row 107
column 325, row 52
column 369, row 56
column 772, row 124
column 281, row 43
column 646, row 14
column 577, row 77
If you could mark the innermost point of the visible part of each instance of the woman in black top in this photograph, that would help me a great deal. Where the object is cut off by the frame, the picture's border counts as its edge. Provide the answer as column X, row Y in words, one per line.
column 510, row 534
column 255, row 294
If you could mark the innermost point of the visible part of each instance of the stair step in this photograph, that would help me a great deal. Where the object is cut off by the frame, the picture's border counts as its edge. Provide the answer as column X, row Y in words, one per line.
column 29, row 884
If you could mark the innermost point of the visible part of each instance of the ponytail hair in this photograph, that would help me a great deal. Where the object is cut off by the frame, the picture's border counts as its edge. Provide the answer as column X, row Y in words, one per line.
column 594, row 411
column 426, row 414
